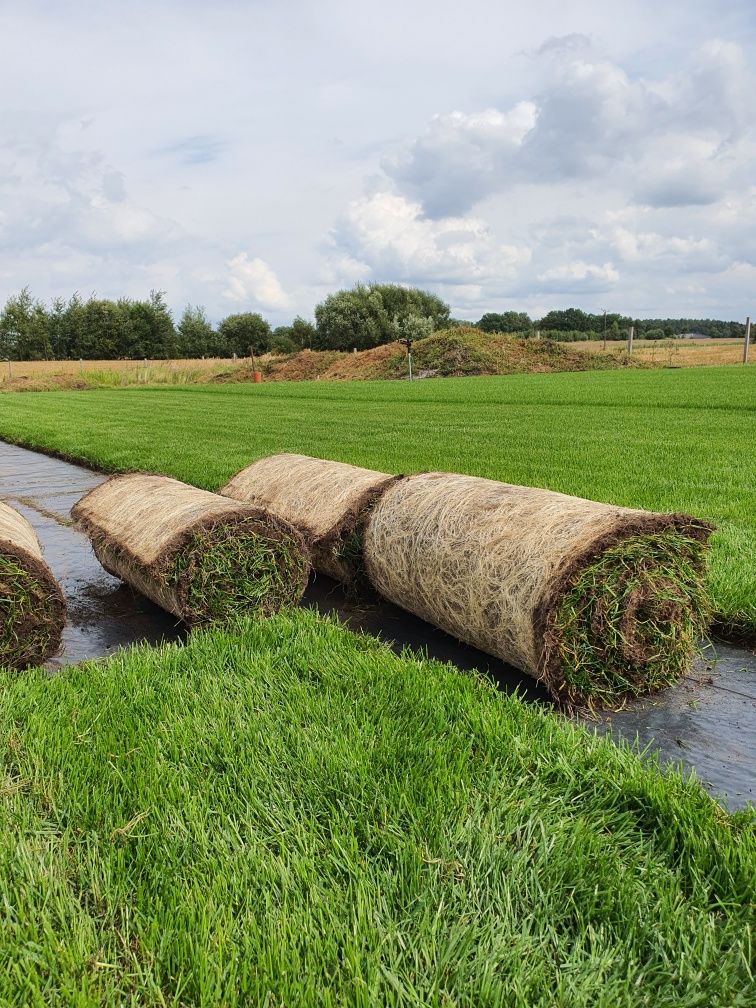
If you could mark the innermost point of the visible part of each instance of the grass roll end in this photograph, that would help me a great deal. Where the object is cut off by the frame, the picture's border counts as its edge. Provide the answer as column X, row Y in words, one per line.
column 225, row 569
column 32, row 607
column 625, row 620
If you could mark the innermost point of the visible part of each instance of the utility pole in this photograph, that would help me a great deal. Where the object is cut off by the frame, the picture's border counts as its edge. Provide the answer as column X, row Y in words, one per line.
column 604, row 328
column 747, row 340
column 630, row 334
column 408, row 344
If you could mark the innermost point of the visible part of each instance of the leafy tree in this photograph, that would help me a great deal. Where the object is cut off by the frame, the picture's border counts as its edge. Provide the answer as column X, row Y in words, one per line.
column 98, row 330
column 195, row 335
column 413, row 327
column 24, row 328
column 366, row 316
column 299, row 335
column 400, row 302
column 66, row 328
column 505, row 322
column 149, row 330
column 352, row 319
column 58, row 329
column 303, row 333
column 239, row 333
column 281, row 341
column 566, row 320
column 576, row 320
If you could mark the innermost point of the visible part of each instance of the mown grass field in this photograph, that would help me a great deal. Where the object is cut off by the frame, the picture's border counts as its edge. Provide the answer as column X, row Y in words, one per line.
column 679, row 440
column 288, row 814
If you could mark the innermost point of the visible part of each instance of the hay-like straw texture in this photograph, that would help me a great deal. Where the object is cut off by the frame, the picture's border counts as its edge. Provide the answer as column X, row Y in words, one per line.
column 32, row 607
column 327, row 501
column 201, row 556
column 600, row 602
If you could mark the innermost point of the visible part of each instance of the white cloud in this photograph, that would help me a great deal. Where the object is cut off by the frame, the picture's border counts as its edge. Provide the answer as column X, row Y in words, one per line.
column 646, row 165
column 676, row 141
column 253, row 281
column 646, row 246
column 57, row 188
column 386, row 236
column 461, row 158
column 579, row 277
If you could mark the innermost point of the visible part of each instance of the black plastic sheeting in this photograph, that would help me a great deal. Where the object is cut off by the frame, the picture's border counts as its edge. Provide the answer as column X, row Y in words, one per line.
column 706, row 722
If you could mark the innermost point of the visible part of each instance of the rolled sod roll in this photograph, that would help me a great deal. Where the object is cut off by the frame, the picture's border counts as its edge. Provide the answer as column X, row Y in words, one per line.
column 203, row 557
column 602, row 603
column 32, row 607
column 327, row 501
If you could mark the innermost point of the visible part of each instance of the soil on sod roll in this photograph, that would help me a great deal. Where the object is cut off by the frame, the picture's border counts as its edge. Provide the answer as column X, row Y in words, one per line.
column 600, row 602
column 32, row 608
column 201, row 556
column 327, row 501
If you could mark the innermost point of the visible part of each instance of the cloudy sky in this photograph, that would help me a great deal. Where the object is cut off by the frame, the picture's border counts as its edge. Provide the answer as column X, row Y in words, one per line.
column 257, row 154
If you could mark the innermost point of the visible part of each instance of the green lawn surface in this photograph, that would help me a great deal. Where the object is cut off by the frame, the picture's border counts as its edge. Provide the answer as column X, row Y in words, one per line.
column 675, row 440
column 289, row 814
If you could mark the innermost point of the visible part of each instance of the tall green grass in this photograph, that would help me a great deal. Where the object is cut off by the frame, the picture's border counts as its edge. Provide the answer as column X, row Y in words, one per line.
column 630, row 621
column 29, row 619
column 678, row 440
column 231, row 571
column 289, row 814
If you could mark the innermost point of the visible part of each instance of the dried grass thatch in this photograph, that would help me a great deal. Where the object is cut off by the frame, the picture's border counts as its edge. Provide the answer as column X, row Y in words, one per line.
column 32, row 607
column 201, row 556
column 600, row 602
column 327, row 501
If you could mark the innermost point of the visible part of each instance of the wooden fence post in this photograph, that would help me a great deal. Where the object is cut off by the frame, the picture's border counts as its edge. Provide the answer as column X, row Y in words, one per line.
column 747, row 340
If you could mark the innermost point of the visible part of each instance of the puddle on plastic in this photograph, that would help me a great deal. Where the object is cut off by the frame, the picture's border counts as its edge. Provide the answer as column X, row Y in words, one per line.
column 706, row 722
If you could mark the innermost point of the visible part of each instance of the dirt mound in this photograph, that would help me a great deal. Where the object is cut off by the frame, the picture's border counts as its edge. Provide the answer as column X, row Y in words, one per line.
column 306, row 365
column 455, row 352
column 385, row 361
column 468, row 351
column 449, row 353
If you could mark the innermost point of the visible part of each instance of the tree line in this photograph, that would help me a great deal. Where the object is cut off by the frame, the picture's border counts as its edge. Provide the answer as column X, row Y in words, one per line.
column 365, row 316
column 102, row 329
column 99, row 329
column 572, row 323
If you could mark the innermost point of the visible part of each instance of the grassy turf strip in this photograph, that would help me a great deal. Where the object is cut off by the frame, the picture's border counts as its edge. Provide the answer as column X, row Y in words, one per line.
column 678, row 440
column 606, row 657
column 25, row 625
column 228, row 573
column 290, row 814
